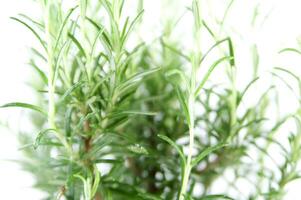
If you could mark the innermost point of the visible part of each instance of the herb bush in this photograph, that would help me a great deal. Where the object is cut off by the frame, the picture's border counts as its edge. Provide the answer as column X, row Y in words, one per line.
column 121, row 118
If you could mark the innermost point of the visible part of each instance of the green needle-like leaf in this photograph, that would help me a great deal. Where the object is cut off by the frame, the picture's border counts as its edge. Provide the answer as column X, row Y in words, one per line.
column 33, row 31
column 174, row 145
column 24, row 105
column 77, row 43
column 206, row 152
column 208, row 73
column 290, row 50
column 216, row 197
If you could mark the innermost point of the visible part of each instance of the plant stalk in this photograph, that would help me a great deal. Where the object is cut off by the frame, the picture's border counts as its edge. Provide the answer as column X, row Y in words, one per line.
column 195, row 61
column 51, row 81
column 51, row 89
column 191, row 106
column 187, row 168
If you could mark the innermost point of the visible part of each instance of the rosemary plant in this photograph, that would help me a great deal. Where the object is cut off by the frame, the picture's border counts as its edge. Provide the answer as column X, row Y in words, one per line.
column 121, row 118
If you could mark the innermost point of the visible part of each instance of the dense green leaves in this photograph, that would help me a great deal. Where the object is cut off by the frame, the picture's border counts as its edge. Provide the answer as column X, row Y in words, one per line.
column 137, row 118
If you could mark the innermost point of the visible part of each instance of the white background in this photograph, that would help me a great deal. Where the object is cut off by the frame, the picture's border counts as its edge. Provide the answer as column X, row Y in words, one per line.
column 281, row 30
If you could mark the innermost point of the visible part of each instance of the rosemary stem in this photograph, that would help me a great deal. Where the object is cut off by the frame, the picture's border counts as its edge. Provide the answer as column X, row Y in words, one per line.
column 191, row 106
column 51, row 89
column 51, row 81
column 195, row 61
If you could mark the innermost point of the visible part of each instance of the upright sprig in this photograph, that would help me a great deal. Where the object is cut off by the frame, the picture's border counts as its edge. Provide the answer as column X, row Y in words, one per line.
column 195, row 61
column 188, row 98
column 52, row 13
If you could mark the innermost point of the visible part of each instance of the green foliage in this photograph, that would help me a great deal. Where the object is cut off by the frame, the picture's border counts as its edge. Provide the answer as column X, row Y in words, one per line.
column 142, row 111
column 24, row 105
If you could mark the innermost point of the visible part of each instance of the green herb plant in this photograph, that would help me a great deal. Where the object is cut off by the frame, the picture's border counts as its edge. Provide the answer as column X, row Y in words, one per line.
column 122, row 118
